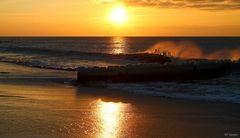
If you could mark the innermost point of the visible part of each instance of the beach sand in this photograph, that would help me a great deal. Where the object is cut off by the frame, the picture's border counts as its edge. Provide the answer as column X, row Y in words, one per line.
column 44, row 103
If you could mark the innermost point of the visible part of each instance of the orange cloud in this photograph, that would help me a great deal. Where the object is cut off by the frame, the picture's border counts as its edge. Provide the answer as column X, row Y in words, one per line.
column 199, row 4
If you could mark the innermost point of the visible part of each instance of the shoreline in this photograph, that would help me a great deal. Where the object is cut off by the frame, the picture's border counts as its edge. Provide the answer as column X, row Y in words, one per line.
column 48, row 107
column 60, row 77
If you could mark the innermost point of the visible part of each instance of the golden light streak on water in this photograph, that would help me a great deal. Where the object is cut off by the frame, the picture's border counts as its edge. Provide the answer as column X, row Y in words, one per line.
column 118, row 45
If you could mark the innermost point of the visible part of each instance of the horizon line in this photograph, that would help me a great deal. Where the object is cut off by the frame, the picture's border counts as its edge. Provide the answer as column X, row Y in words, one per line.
column 121, row 36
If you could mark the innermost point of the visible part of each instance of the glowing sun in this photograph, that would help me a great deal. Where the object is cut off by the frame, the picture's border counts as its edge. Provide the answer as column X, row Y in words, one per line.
column 118, row 15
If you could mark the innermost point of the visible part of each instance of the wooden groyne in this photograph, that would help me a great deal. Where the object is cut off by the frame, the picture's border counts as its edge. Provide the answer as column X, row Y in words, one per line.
column 155, row 72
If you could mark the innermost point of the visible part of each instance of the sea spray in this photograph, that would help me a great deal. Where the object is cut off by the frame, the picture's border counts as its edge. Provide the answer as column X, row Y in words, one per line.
column 190, row 50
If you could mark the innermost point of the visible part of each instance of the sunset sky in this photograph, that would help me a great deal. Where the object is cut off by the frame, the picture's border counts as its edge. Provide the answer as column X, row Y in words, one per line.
column 100, row 18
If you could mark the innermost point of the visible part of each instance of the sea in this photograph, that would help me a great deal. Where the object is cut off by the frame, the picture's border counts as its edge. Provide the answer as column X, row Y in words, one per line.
column 69, row 53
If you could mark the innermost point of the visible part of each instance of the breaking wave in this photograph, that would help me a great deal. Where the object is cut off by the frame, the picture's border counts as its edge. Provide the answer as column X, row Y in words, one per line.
column 188, row 49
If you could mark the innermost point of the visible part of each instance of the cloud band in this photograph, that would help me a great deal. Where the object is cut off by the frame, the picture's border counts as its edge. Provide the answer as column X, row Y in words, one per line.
column 199, row 4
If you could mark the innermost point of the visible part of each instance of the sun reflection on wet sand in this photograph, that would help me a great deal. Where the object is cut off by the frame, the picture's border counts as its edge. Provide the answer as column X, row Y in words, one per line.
column 111, row 116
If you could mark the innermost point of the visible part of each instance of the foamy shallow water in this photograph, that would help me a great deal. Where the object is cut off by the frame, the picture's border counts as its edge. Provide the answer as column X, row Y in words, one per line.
column 224, row 89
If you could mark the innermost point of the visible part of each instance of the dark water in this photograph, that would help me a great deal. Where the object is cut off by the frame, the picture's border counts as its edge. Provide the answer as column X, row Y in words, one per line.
column 72, row 52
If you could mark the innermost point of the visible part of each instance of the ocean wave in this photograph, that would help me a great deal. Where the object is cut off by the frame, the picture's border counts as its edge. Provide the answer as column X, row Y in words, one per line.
column 71, row 53
column 56, row 63
column 60, row 59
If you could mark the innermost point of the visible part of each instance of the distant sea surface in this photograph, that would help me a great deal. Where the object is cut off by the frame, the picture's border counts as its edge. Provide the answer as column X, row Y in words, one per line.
column 68, row 53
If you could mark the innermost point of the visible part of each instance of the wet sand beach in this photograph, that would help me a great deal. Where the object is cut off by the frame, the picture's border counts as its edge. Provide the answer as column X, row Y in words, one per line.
column 44, row 103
